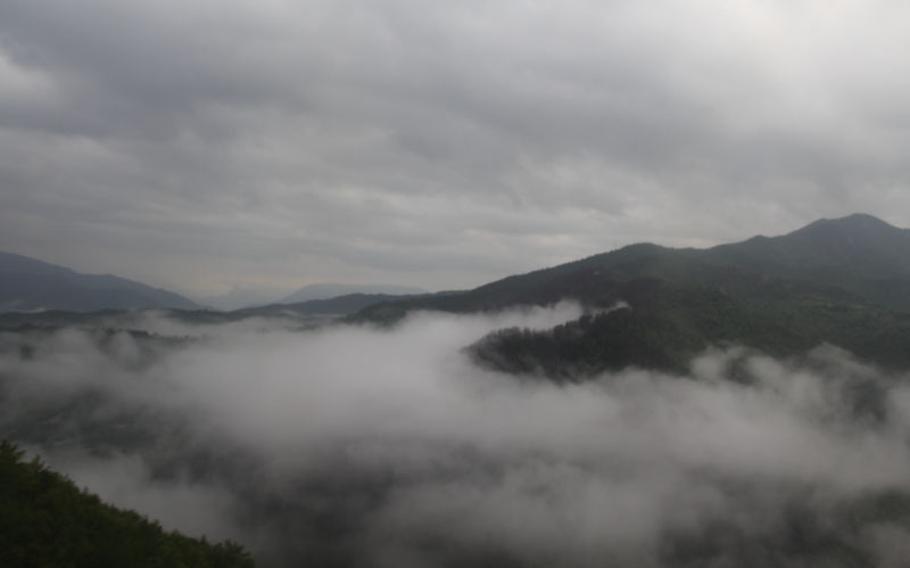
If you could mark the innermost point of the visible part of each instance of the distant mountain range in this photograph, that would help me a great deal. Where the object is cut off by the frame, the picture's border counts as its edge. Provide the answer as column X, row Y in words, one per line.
column 303, row 311
column 843, row 281
column 326, row 291
column 27, row 284
column 238, row 298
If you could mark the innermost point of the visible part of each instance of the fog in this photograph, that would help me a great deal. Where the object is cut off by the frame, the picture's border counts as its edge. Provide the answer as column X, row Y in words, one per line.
column 355, row 445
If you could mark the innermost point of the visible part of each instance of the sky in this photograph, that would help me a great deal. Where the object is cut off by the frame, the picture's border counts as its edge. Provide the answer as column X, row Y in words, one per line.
column 263, row 145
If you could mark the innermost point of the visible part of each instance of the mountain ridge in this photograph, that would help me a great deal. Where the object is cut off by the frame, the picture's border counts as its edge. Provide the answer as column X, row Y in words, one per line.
column 643, row 252
column 29, row 284
column 781, row 295
column 325, row 291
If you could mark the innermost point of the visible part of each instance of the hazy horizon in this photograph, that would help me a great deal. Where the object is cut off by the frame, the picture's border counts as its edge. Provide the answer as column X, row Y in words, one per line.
column 239, row 296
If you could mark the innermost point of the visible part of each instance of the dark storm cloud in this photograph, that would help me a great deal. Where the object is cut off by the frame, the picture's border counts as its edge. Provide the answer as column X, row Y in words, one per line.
column 272, row 143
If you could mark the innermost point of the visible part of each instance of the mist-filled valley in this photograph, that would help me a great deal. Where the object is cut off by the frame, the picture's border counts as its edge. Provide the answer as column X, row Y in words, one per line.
column 361, row 445
column 493, row 284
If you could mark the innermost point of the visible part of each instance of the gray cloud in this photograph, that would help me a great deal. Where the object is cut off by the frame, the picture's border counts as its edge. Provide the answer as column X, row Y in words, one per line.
column 273, row 143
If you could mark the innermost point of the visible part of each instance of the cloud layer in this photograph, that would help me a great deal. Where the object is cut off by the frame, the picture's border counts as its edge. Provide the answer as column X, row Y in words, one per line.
column 269, row 144
column 389, row 448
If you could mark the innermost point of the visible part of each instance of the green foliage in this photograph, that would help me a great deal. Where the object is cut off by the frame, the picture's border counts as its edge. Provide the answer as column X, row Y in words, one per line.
column 46, row 521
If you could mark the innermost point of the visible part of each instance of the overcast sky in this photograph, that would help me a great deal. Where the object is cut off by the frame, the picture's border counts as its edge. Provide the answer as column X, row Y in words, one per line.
column 209, row 145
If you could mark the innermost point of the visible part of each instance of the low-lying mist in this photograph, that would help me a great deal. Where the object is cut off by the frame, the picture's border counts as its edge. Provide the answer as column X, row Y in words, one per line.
column 357, row 446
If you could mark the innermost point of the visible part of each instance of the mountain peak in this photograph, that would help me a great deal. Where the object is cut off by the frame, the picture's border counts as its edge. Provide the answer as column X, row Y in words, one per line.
column 333, row 290
column 859, row 240
column 854, row 222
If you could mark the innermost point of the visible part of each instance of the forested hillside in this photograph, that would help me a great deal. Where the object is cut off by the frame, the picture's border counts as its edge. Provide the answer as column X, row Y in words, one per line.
column 836, row 281
column 46, row 521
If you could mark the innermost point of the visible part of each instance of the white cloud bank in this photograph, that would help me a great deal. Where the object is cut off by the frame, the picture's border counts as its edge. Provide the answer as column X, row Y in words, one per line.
column 390, row 448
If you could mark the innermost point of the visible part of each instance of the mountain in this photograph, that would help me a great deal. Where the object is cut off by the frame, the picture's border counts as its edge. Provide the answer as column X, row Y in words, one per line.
column 45, row 520
column 327, row 308
column 327, row 291
column 27, row 284
column 335, row 306
column 859, row 253
column 306, row 314
column 238, row 298
column 840, row 281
